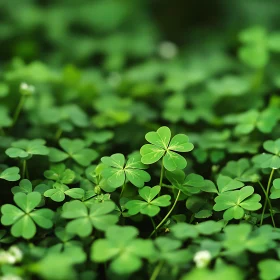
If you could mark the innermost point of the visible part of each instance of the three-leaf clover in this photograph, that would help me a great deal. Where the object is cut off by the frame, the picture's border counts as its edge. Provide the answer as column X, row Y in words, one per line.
column 162, row 147
column 75, row 149
column 123, row 248
column 235, row 202
column 98, row 216
column 240, row 170
column 151, row 205
column 25, row 149
column 10, row 174
column 24, row 217
column 275, row 190
column 117, row 171
column 190, row 184
column 62, row 176
column 271, row 159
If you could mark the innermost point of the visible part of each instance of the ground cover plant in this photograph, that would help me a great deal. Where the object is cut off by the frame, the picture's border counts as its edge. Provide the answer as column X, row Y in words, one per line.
column 133, row 149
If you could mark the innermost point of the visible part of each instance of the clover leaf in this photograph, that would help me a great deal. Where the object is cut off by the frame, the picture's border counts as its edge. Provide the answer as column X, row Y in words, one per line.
column 122, row 247
column 226, row 183
column 25, row 186
column 265, row 121
column 275, row 190
column 240, row 170
column 271, row 159
column 24, row 217
column 75, row 149
column 10, row 174
column 269, row 269
column 190, row 184
column 83, row 219
column 62, row 176
column 151, row 205
column 162, row 147
column 25, row 149
column 117, row 171
column 235, row 202
column 239, row 238
column 170, row 252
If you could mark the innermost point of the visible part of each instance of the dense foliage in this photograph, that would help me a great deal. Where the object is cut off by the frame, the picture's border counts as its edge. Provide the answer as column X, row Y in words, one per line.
column 126, row 156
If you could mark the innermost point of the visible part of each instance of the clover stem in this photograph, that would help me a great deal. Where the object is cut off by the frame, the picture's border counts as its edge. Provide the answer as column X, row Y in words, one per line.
column 267, row 192
column 161, row 173
column 167, row 215
column 153, row 222
column 157, row 270
column 58, row 133
column 123, row 188
column 2, row 132
column 23, row 168
column 18, row 109
column 269, row 203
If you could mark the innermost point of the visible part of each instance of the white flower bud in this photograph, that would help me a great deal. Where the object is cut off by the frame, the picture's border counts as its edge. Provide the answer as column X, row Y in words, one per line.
column 26, row 89
column 167, row 50
column 16, row 252
column 10, row 277
column 7, row 258
column 202, row 258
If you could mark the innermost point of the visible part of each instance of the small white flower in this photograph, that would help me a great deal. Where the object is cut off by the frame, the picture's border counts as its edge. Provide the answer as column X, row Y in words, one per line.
column 10, row 277
column 167, row 50
column 26, row 89
column 7, row 258
column 202, row 258
column 16, row 252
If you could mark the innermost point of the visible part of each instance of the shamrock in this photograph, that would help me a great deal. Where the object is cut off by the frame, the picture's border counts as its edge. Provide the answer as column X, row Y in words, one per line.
column 187, row 184
column 117, row 171
column 264, row 121
column 170, row 252
column 162, row 147
column 235, row 202
column 75, row 149
column 239, row 238
column 240, row 170
column 62, row 176
column 271, row 159
column 151, row 205
column 24, row 217
column 10, row 174
column 123, row 248
column 25, row 186
column 275, row 190
column 226, row 183
column 84, row 219
column 25, row 149
column 269, row 269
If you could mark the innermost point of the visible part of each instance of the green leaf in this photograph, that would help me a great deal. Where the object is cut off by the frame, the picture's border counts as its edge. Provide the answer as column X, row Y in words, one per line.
column 10, row 174
column 269, row 269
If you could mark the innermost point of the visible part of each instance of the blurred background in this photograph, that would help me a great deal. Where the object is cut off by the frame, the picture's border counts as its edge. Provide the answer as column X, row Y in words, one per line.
column 118, row 68
column 115, row 32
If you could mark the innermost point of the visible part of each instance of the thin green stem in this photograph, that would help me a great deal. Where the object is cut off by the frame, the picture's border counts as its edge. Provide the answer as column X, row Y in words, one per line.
column 23, row 168
column 269, row 203
column 18, row 109
column 2, row 132
column 157, row 270
column 123, row 188
column 267, row 192
column 153, row 222
column 167, row 215
column 58, row 134
column 161, row 173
